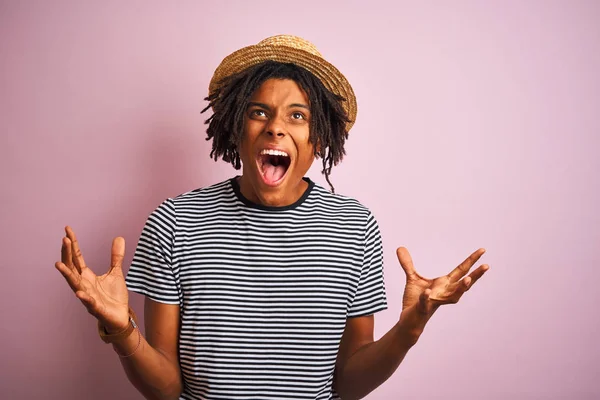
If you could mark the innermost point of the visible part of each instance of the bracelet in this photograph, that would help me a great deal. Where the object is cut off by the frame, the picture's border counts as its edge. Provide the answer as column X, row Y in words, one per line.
column 134, row 350
column 115, row 337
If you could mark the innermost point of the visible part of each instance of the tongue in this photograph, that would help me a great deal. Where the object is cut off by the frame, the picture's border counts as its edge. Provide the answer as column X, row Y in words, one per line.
column 273, row 173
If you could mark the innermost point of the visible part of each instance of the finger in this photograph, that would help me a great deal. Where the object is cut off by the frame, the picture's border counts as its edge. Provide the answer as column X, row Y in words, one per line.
column 462, row 286
column 478, row 273
column 466, row 283
column 76, row 251
column 65, row 252
column 71, row 276
column 406, row 261
column 117, row 254
column 453, row 291
column 464, row 267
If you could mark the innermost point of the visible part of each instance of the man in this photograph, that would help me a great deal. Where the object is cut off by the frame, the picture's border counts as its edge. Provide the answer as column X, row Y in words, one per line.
column 263, row 286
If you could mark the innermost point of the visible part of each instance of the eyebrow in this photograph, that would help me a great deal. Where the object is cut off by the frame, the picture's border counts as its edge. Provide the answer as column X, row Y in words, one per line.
column 266, row 107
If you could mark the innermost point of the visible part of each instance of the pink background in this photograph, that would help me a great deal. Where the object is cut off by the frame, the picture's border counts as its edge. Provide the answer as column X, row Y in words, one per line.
column 478, row 126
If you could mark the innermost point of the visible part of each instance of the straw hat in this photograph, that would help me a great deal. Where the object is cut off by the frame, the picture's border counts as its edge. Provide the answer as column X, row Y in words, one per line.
column 289, row 49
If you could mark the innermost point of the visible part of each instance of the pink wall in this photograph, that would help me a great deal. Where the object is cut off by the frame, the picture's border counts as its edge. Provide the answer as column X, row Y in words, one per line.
column 478, row 125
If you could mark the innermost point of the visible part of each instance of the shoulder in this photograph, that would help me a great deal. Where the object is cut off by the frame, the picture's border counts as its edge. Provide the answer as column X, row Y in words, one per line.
column 324, row 198
column 217, row 191
column 200, row 199
column 338, row 206
column 194, row 202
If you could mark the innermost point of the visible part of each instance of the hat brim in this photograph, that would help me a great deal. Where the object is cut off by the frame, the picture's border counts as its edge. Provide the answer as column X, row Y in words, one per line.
column 328, row 74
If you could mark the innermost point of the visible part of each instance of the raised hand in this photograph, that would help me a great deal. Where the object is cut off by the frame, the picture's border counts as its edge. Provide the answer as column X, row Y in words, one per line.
column 104, row 296
column 426, row 295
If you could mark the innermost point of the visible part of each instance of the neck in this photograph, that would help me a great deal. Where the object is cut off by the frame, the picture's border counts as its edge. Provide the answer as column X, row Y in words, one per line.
column 277, row 197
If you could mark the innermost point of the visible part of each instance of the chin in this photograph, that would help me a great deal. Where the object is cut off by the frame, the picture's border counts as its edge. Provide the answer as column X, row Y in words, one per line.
column 272, row 177
column 282, row 192
column 273, row 193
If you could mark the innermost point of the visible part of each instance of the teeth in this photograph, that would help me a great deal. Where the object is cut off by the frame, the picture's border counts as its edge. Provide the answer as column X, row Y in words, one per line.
column 274, row 153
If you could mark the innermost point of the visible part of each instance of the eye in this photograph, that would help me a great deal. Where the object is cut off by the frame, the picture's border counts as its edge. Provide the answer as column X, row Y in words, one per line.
column 258, row 113
column 298, row 115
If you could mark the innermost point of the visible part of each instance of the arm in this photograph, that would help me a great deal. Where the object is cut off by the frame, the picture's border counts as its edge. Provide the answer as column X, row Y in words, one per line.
column 363, row 364
column 154, row 367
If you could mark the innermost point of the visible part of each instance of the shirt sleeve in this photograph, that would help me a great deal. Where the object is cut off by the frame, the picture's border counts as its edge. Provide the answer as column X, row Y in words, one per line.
column 370, row 295
column 151, row 272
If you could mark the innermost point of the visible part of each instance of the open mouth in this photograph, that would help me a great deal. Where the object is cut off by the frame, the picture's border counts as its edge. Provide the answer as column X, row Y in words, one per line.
column 273, row 165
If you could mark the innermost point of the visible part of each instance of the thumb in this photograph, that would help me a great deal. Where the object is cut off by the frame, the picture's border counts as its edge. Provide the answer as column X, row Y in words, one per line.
column 117, row 254
column 405, row 261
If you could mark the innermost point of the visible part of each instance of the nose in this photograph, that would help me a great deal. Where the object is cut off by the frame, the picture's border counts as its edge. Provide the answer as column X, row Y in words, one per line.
column 276, row 127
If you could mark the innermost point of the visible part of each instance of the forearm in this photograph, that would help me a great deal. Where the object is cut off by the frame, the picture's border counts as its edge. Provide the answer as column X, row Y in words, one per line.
column 374, row 363
column 151, row 372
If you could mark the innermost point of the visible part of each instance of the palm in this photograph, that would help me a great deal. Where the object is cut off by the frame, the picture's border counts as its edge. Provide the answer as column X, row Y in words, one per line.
column 104, row 296
column 430, row 293
column 109, row 291
column 415, row 285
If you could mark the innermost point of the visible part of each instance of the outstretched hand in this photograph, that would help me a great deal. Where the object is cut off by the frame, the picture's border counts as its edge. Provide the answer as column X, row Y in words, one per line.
column 104, row 296
column 425, row 295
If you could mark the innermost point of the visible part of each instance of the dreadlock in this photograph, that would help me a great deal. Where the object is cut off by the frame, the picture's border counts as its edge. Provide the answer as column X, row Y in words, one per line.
column 226, row 125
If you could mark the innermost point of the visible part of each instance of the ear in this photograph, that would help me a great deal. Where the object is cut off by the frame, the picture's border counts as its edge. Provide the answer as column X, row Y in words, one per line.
column 319, row 149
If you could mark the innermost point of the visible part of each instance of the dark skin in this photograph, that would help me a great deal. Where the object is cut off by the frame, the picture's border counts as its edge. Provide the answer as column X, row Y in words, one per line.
column 363, row 364
column 154, row 367
column 278, row 117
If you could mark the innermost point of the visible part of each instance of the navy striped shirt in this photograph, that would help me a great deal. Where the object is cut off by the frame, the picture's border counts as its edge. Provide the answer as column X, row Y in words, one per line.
column 264, row 292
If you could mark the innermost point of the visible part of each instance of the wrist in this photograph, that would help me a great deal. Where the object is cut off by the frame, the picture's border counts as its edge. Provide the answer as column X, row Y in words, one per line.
column 411, row 325
column 116, row 333
column 407, row 336
column 116, row 328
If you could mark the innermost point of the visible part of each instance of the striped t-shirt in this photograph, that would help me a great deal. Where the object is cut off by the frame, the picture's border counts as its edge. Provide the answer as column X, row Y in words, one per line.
column 264, row 292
